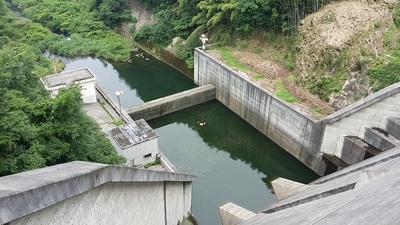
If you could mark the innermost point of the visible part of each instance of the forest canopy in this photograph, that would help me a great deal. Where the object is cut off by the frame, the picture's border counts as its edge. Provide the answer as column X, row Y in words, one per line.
column 36, row 130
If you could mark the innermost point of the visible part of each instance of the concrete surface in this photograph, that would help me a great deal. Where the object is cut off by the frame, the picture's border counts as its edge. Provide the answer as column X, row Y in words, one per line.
column 293, row 130
column 232, row 214
column 172, row 103
column 284, row 188
column 84, row 77
column 92, row 193
column 367, row 192
column 302, row 136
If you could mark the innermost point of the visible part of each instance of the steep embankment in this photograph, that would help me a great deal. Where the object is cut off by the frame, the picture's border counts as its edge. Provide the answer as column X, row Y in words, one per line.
column 332, row 50
column 326, row 58
column 338, row 42
column 142, row 14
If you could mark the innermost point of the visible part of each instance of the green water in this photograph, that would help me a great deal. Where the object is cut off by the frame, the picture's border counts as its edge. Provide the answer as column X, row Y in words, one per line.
column 233, row 162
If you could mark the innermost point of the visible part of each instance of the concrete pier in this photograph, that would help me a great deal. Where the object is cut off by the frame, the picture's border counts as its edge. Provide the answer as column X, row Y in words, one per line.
column 172, row 103
column 232, row 214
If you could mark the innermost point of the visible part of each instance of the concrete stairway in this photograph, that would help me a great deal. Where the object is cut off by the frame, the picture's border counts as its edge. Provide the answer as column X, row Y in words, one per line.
column 374, row 140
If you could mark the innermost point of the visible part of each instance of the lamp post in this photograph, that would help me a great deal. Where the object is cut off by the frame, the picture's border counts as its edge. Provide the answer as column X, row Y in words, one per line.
column 203, row 39
column 118, row 94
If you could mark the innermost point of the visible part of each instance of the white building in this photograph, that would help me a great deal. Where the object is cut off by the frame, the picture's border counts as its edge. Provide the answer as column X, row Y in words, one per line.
column 137, row 142
column 84, row 77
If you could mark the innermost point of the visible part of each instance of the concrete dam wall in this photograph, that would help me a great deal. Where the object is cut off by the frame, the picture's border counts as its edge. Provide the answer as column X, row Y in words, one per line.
column 297, row 133
column 92, row 193
column 172, row 103
column 316, row 143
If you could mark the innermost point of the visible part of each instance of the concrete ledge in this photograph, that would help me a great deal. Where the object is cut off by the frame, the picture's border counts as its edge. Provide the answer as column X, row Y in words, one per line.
column 284, row 188
column 114, row 106
column 37, row 189
column 363, row 103
column 172, row 103
column 233, row 214
column 380, row 139
column 392, row 126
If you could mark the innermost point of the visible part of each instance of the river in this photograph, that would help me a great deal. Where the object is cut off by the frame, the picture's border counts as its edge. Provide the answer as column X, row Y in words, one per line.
column 233, row 162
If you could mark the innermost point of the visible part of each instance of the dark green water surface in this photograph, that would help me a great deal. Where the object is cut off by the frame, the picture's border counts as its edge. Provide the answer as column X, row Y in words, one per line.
column 233, row 162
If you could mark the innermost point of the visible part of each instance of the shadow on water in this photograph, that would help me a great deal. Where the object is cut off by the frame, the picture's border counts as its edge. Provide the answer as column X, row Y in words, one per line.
column 233, row 161
column 223, row 130
column 152, row 78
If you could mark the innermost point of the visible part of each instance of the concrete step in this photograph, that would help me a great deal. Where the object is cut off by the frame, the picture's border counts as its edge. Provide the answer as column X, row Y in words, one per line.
column 333, row 163
column 355, row 150
column 392, row 126
column 380, row 139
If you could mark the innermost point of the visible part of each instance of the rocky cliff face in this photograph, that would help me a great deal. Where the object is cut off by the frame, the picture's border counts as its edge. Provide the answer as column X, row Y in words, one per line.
column 141, row 13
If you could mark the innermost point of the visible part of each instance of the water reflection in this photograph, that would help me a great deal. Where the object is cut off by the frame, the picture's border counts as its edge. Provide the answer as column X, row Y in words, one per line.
column 233, row 161
column 142, row 80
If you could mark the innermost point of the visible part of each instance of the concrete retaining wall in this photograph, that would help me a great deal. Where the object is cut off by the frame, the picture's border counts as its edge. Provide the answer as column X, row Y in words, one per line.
column 92, row 193
column 172, row 103
column 353, row 120
column 294, row 131
column 305, row 138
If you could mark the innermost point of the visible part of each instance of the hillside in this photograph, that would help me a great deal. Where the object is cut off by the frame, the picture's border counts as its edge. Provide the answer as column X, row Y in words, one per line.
column 332, row 50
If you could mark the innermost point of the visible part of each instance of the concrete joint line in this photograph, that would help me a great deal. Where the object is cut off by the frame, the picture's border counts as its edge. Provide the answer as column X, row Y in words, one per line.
column 165, row 202
column 312, row 198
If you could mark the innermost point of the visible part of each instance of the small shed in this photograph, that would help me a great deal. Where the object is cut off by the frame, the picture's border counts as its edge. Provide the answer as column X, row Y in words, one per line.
column 84, row 77
column 137, row 142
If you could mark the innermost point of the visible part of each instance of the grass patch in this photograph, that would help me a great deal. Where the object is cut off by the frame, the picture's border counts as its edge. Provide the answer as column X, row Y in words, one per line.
column 156, row 162
column 117, row 122
column 259, row 76
column 231, row 61
column 283, row 93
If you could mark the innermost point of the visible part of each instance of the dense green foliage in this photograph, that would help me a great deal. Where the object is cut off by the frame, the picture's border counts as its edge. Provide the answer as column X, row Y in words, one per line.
column 88, row 23
column 385, row 71
column 224, row 21
column 36, row 130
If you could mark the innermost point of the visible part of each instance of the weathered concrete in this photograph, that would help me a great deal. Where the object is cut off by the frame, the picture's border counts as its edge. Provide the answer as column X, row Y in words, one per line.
column 92, row 193
column 364, row 193
column 284, row 188
column 296, row 132
column 392, row 126
column 172, row 103
column 354, row 150
column 379, row 139
column 352, row 120
column 232, row 214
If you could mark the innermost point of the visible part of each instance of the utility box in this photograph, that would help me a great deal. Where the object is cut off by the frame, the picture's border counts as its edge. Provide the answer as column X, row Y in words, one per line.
column 137, row 142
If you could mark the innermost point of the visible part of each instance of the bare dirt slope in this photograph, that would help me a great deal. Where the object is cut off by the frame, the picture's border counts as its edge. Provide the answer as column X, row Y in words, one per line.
column 354, row 30
column 342, row 27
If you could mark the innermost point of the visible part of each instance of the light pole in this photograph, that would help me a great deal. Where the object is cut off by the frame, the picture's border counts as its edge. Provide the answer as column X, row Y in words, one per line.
column 118, row 94
column 203, row 39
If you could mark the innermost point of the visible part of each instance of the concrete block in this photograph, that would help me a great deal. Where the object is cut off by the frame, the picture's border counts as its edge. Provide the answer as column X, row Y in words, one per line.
column 232, row 214
column 392, row 126
column 284, row 188
column 367, row 176
column 380, row 139
column 353, row 150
